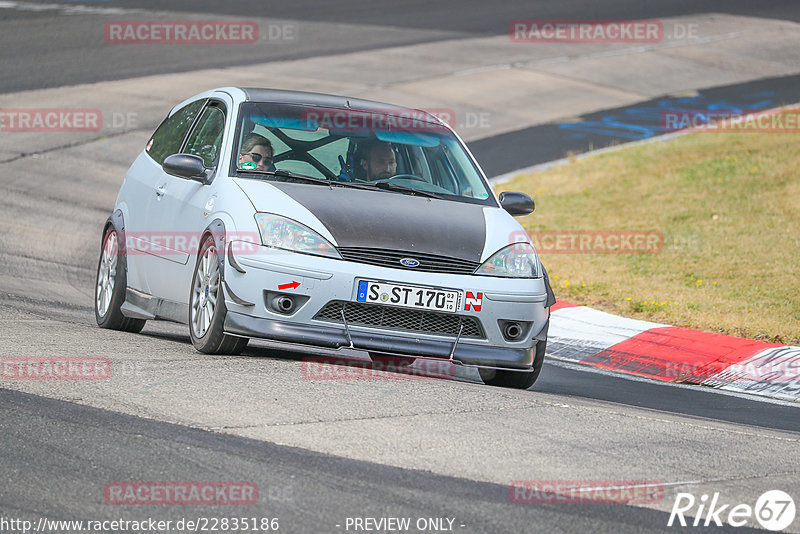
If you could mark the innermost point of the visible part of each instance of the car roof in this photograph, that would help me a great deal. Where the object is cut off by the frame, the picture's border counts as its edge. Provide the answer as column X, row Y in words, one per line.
column 328, row 101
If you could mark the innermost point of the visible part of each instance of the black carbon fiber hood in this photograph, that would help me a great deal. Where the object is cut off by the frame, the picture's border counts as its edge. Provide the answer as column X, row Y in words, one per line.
column 394, row 221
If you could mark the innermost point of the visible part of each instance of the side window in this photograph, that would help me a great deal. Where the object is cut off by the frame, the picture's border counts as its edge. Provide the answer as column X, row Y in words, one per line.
column 168, row 137
column 205, row 139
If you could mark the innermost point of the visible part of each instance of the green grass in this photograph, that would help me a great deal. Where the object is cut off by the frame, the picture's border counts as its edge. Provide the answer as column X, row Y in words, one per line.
column 728, row 206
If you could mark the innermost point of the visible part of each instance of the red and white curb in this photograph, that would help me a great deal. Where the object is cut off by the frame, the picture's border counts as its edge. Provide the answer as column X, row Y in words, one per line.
column 669, row 353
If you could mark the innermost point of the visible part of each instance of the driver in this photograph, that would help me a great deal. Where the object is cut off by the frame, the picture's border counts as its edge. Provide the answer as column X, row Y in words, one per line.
column 379, row 162
column 256, row 153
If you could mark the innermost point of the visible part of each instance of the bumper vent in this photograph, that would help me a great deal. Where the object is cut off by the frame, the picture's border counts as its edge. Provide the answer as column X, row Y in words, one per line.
column 377, row 316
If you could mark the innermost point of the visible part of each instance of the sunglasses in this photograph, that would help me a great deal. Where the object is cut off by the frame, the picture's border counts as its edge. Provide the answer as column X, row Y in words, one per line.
column 258, row 157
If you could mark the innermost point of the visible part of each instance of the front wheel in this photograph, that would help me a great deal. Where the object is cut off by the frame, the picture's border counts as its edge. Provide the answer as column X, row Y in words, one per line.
column 516, row 379
column 109, row 291
column 207, row 306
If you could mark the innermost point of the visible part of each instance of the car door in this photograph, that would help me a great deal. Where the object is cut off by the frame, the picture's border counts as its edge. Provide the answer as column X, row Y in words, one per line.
column 140, row 186
column 178, row 210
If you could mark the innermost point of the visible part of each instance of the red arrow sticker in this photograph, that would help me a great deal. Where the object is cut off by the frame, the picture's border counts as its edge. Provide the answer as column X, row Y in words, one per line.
column 293, row 285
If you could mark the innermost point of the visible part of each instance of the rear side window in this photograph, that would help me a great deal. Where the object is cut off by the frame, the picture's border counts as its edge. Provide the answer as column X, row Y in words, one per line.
column 168, row 137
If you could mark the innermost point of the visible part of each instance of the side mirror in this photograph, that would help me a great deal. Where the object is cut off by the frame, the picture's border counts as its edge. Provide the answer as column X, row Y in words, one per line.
column 186, row 166
column 516, row 204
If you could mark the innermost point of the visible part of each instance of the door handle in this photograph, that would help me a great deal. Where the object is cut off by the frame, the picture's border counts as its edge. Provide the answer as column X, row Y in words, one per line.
column 160, row 191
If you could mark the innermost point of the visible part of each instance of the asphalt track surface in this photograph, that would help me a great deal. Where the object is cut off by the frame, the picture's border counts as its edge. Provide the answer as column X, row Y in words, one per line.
column 51, row 48
column 60, row 452
column 507, row 152
column 308, row 492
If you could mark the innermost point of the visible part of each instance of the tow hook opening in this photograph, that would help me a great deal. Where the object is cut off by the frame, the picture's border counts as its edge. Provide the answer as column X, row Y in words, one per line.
column 514, row 330
column 284, row 303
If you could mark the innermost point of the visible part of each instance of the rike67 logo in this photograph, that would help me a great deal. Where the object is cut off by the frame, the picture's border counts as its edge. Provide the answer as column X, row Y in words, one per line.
column 774, row 510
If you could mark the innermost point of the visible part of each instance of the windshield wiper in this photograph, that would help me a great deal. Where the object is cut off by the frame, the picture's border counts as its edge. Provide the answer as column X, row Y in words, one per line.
column 384, row 185
column 282, row 173
column 391, row 186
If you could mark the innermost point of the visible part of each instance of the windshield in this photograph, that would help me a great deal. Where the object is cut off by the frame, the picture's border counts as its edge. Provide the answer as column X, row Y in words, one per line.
column 397, row 152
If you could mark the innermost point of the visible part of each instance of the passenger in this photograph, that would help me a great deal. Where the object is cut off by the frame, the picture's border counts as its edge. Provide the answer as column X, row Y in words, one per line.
column 258, row 150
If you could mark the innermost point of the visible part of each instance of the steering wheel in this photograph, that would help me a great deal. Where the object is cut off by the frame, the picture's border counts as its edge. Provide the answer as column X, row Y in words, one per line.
column 408, row 177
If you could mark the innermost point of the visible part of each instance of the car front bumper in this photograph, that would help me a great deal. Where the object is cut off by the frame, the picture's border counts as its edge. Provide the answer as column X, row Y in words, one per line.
column 322, row 281
column 385, row 342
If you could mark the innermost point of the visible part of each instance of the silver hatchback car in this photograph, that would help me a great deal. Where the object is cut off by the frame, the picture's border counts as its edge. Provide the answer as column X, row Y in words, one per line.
column 324, row 221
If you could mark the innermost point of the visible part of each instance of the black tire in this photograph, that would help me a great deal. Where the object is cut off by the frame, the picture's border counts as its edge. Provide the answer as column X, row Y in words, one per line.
column 517, row 379
column 112, row 281
column 212, row 339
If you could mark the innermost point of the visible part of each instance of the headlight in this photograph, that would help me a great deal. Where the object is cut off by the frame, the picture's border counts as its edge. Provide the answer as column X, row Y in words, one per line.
column 286, row 234
column 514, row 261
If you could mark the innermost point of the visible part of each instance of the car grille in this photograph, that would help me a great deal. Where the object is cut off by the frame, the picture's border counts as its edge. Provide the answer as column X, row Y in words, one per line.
column 428, row 263
column 424, row 322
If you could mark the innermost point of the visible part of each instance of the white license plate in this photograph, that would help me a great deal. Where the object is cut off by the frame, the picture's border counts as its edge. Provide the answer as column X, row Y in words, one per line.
column 408, row 296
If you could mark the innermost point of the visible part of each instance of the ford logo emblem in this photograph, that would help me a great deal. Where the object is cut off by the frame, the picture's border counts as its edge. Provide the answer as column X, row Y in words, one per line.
column 409, row 262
